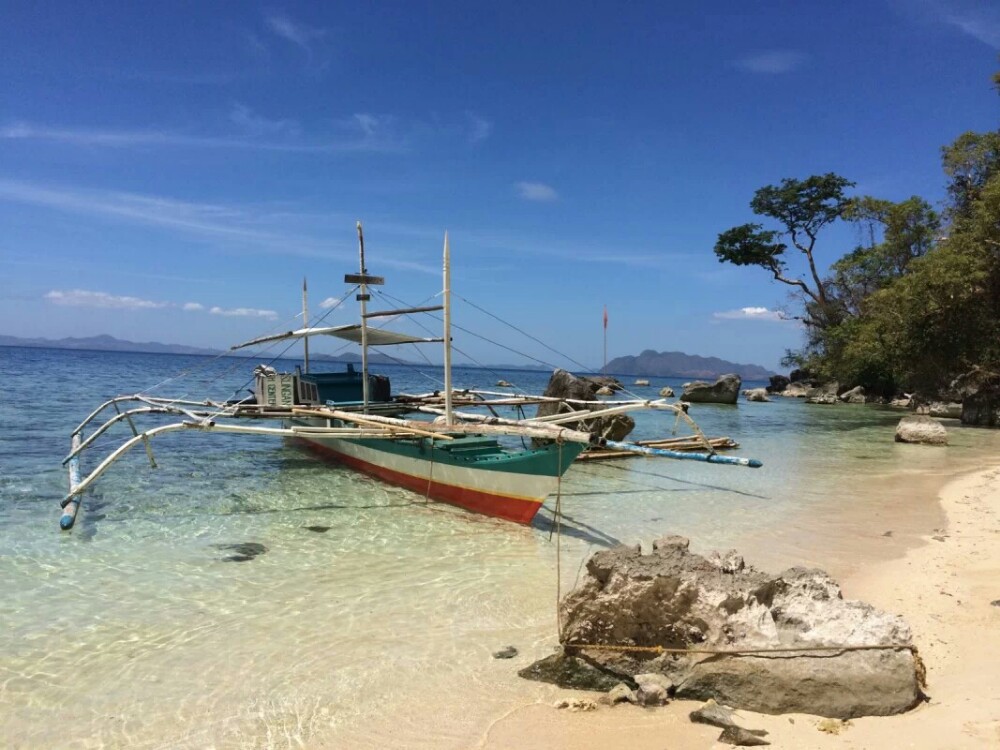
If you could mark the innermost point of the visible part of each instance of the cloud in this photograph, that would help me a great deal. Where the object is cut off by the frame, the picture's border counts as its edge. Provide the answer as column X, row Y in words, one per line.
column 253, row 124
column 479, row 127
column 102, row 300
column 772, row 62
column 979, row 19
column 243, row 312
column 299, row 34
column 536, row 191
column 192, row 306
column 168, row 138
column 329, row 302
column 751, row 313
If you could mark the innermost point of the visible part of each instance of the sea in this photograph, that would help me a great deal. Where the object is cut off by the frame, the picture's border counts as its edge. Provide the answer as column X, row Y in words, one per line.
column 247, row 594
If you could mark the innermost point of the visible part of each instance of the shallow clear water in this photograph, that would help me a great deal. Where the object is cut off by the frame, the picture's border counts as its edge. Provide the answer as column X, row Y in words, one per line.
column 370, row 616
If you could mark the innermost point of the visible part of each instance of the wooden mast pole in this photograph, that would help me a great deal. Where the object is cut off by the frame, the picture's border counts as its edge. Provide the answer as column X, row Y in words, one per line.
column 363, row 299
column 448, row 416
column 305, row 323
column 604, row 370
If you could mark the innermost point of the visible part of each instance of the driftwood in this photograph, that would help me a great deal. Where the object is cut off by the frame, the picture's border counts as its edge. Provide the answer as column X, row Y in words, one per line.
column 674, row 444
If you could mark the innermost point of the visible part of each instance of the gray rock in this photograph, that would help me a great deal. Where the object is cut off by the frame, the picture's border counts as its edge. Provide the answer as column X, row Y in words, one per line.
column 503, row 384
column 713, row 714
column 620, row 693
column 604, row 391
column 824, row 394
column 725, row 390
column 571, row 672
column 855, row 395
column 565, row 385
column 505, row 653
column 654, row 689
column 995, row 603
column 756, row 394
column 741, row 737
column 778, row 384
column 979, row 392
column 641, row 381
column 944, row 410
column 901, row 403
column 921, row 429
column 676, row 599
column 666, row 392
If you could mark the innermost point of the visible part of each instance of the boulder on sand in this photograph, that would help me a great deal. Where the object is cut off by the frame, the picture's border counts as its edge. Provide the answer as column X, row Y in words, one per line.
column 566, row 385
column 725, row 390
column 675, row 599
column 921, row 429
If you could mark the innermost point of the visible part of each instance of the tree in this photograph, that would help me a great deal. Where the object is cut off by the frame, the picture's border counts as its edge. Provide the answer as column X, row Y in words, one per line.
column 802, row 208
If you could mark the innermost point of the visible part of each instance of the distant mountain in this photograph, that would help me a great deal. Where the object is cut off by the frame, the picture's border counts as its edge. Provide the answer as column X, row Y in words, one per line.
column 680, row 365
column 105, row 343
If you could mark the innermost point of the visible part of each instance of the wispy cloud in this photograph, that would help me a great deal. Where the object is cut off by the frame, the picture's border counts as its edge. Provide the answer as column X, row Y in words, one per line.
column 301, row 35
column 979, row 19
column 103, row 300
column 247, row 227
column 243, row 312
column 192, row 306
column 751, row 313
column 255, row 125
column 479, row 127
column 329, row 302
column 772, row 62
column 536, row 191
column 344, row 140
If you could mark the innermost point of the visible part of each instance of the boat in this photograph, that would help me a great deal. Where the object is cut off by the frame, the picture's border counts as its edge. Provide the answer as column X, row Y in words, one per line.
column 417, row 441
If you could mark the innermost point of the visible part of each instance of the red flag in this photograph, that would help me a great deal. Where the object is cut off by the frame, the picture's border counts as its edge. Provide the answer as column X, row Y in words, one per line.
column 605, row 317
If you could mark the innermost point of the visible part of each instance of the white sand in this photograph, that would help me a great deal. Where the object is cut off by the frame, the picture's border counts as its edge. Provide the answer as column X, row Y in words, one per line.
column 943, row 588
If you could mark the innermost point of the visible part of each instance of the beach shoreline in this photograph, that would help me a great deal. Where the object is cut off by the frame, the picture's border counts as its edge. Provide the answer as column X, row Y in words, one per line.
column 942, row 582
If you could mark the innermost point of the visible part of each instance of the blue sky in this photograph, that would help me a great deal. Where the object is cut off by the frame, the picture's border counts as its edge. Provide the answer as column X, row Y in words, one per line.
column 170, row 172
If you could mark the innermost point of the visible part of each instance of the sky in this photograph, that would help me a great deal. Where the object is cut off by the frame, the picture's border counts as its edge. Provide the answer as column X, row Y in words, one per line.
column 172, row 171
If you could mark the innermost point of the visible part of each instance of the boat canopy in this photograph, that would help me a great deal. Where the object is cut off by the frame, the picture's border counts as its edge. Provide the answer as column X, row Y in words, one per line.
column 376, row 336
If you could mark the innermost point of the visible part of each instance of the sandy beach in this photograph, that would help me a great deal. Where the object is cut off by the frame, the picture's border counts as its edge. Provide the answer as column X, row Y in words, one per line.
column 943, row 587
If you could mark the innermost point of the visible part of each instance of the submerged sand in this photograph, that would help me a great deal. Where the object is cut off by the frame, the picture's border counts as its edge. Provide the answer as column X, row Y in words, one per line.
column 944, row 587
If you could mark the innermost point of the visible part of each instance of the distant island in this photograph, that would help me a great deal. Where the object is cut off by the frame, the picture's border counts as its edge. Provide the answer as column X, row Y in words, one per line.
column 105, row 343
column 680, row 365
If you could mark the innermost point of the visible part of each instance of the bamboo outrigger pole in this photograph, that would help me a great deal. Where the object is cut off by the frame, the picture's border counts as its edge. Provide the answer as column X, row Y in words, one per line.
column 305, row 323
column 363, row 299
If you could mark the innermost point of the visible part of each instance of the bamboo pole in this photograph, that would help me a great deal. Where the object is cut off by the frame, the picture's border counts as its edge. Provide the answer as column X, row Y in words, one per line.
column 305, row 324
column 372, row 419
column 71, row 508
column 448, row 415
column 363, row 299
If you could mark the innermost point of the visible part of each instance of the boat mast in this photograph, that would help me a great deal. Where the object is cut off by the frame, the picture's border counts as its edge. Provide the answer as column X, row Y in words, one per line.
column 305, row 322
column 363, row 299
column 446, row 293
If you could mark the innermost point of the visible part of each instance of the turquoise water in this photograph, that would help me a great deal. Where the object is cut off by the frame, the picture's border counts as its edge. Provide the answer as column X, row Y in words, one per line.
column 369, row 615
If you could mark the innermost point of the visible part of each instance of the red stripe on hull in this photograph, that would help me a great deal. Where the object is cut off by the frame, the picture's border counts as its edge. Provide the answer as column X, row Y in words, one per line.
column 499, row 506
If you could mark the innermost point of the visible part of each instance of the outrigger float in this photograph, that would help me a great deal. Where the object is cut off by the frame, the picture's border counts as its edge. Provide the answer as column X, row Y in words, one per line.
column 420, row 442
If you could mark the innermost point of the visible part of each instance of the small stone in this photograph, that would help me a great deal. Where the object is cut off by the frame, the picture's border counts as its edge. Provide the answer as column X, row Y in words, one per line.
column 576, row 704
column 742, row 737
column 713, row 714
column 620, row 693
column 995, row 603
column 939, row 538
column 832, row 726
column 888, row 533
column 651, row 694
column 505, row 653
column 318, row 529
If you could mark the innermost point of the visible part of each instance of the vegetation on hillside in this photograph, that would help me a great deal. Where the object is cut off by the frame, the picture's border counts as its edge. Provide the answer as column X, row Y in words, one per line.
column 917, row 302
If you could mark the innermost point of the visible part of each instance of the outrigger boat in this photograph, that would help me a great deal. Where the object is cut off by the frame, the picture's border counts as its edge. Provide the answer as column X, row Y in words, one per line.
column 453, row 456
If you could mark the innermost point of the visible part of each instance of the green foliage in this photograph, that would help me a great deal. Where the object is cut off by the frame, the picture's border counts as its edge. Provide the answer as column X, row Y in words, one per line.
column 803, row 206
column 750, row 245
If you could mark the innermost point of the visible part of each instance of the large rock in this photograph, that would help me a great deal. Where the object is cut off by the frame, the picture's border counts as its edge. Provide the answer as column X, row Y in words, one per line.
column 796, row 390
column 854, row 396
column 778, row 384
column 921, row 429
column 566, row 385
column 979, row 392
column 756, row 394
column 725, row 390
column 675, row 599
column 944, row 410
column 824, row 394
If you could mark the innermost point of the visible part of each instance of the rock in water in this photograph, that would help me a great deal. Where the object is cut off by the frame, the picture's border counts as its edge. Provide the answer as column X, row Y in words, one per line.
column 725, row 390
column 854, row 396
column 944, row 410
column 921, row 429
column 756, row 394
column 570, row 672
column 824, row 394
column 778, row 384
column 505, row 653
column 796, row 390
column 565, row 385
column 666, row 392
column 675, row 599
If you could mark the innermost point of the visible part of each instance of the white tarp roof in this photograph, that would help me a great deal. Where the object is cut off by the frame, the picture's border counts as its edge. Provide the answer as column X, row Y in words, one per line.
column 376, row 336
